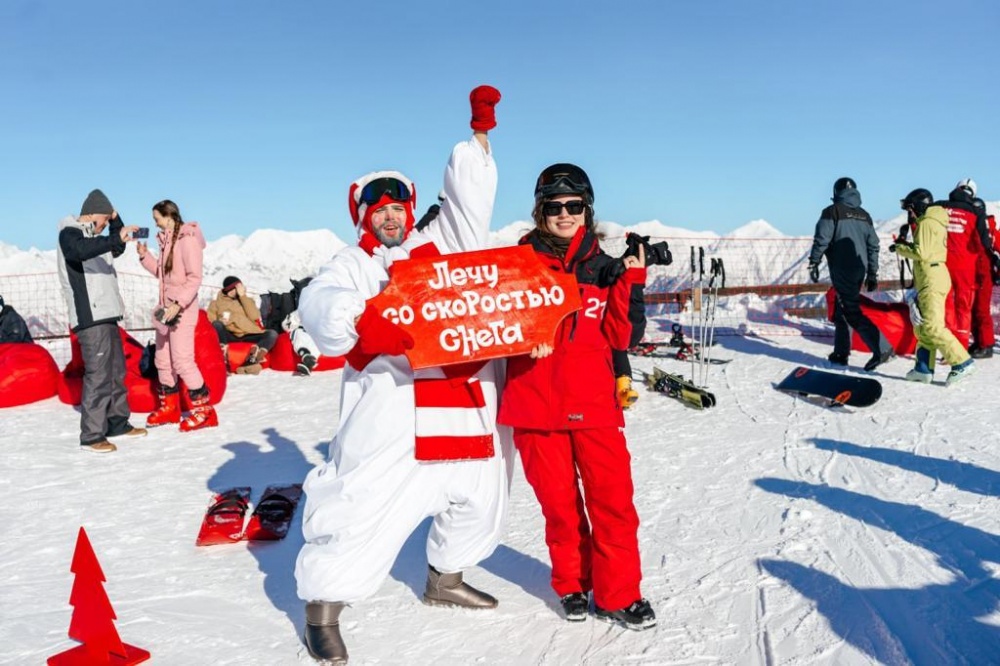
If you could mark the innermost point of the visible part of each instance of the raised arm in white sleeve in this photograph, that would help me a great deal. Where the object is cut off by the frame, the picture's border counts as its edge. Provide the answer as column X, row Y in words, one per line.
column 470, row 187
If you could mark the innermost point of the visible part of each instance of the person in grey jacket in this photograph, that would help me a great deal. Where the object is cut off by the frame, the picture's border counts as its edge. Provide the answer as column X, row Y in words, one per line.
column 90, row 286
column 846, row 236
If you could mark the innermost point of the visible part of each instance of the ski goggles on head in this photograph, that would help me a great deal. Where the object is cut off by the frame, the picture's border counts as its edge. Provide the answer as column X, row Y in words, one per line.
column 373, row 192
column 554, row 208
column 563, row 179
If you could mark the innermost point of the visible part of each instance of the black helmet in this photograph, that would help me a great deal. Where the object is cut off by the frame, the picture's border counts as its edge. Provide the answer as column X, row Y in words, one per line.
column 843, row 184
column 563, row 179
column 918, row 201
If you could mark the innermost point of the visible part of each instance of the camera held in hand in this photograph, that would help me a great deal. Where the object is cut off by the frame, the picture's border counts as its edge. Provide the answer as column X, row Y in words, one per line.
column 141, row 232
column 657, row 254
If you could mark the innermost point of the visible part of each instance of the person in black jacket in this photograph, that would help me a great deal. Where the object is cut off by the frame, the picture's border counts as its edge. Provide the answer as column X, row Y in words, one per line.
column 12, row 326
column 846, row 236
column 90, row 287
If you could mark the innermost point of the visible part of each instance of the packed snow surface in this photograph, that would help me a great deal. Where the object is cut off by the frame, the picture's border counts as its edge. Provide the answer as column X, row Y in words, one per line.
column 774, row 531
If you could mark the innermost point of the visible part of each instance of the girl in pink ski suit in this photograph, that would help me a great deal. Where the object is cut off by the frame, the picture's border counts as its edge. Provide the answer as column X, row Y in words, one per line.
column 179, row 269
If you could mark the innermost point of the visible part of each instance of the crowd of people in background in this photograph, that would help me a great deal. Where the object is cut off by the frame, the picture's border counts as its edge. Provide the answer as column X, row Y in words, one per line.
column 438, row 443
column 954, row 247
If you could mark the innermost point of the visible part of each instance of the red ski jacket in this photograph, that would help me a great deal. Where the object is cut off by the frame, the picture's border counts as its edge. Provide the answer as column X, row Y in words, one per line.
column 574, row 387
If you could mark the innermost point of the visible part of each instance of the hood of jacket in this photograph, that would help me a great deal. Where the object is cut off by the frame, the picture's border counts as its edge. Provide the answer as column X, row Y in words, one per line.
column 849, row 196
column 188, row 229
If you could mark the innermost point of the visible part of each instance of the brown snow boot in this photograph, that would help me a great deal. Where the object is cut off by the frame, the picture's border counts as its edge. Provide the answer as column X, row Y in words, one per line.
column 449, row 590
column 322, row 635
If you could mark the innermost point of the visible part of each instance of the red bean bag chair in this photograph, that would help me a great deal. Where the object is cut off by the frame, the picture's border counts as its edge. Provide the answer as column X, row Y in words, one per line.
column 283, row 358
column 208, row 356
column 141, row 391
column 28, row 373
column 893, row 319
column 237, row 352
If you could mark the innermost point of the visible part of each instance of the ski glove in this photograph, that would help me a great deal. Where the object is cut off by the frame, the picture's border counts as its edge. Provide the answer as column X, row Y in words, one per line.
column 814, row 272
column 624, row 393
column 915, row 317
column 871, row 283
column 483, row 100
column 377, row 335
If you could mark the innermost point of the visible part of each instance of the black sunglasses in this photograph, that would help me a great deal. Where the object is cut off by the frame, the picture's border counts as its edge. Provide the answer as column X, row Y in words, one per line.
column 373, row 191
column 553, row 208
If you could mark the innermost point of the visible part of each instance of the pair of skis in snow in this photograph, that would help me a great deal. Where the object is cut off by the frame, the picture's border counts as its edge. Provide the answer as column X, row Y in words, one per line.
column 676, row 386
column 272, row 516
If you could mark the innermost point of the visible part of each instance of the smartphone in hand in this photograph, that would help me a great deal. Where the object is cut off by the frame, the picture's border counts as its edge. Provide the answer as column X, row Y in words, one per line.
column 141, row 232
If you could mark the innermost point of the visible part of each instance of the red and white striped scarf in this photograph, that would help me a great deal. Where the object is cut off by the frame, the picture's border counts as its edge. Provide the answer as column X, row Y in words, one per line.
column 452, row 421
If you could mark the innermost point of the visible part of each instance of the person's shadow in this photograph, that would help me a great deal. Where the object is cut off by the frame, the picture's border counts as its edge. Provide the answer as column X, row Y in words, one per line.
column 962, row 475
column 252, row 465
column 753, row 345
column 933, row 624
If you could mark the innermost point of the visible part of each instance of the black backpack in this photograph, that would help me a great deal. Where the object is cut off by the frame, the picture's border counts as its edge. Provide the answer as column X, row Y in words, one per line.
column 275, row 306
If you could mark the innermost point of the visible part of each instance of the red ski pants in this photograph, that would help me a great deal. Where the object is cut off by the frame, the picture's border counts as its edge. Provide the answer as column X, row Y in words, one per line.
column 963, row 291
column 600, row 554
column 982, row 318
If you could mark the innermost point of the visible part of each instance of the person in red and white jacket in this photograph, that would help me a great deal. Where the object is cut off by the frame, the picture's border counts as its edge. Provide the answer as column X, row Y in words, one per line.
column 968, row 238
column 568, row 424
column 410, row 444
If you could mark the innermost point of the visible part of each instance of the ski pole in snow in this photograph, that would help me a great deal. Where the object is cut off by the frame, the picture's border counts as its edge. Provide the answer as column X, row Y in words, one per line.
column 695, row 302
column 718, row 277
column 703, row 304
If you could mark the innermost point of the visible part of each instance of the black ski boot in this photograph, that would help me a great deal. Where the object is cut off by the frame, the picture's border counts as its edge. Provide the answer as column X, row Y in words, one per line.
column 637, row 616
column 576, row 606
column 837, row 359
column 878, row 359
column 980, row 352
column 449, row 590
column 322, row 635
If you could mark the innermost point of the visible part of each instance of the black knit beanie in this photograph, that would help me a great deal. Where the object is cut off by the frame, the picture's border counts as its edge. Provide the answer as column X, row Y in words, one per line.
column 96, row 203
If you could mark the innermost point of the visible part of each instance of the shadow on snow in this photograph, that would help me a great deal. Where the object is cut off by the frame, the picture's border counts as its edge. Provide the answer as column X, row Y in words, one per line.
column 932, row 624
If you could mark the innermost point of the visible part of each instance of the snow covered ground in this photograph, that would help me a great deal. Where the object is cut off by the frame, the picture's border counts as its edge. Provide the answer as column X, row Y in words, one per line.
column 774, row 531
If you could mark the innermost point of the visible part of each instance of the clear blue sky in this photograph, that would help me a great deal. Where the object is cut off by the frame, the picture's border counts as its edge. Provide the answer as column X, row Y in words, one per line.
column 704, row 115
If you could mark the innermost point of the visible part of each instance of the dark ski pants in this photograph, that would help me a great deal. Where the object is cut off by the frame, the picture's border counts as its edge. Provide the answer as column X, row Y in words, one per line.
column 600, row 554
column 847, row 314
column 263, row 340
column 104, row 410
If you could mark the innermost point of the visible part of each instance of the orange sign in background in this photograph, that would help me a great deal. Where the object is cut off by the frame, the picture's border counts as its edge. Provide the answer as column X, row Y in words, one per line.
column 474, row 306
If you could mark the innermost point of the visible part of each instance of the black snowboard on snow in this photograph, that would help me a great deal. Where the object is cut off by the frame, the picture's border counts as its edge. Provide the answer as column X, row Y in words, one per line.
column 837, row 388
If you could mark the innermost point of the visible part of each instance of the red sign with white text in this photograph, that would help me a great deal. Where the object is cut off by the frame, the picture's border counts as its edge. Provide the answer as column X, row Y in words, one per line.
column 474, row 306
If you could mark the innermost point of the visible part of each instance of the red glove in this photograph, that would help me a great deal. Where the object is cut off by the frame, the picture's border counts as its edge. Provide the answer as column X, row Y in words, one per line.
column 377, row 335
column 483, row 99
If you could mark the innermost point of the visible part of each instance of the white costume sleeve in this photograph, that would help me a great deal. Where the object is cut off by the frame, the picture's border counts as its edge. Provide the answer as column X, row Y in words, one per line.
column 470, row 187
column 331, row 302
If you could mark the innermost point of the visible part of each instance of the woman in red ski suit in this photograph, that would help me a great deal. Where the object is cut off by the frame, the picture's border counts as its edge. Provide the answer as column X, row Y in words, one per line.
column 568, row 425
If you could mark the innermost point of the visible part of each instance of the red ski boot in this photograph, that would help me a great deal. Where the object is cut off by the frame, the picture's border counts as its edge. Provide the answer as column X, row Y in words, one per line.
column 168, row 407
column 202, row 413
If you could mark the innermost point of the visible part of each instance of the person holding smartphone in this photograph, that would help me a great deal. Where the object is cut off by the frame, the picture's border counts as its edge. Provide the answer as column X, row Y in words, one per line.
column 179, row 270
column 90, row 286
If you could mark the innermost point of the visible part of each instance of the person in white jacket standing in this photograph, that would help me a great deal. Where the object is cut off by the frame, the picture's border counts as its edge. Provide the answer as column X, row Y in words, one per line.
column 411, row 444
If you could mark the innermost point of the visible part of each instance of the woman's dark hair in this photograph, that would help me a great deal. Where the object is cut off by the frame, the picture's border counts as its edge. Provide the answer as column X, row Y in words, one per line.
column 168, row 208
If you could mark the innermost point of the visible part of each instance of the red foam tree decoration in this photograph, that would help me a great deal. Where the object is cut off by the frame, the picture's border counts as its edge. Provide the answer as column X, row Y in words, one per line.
column 93, row 617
